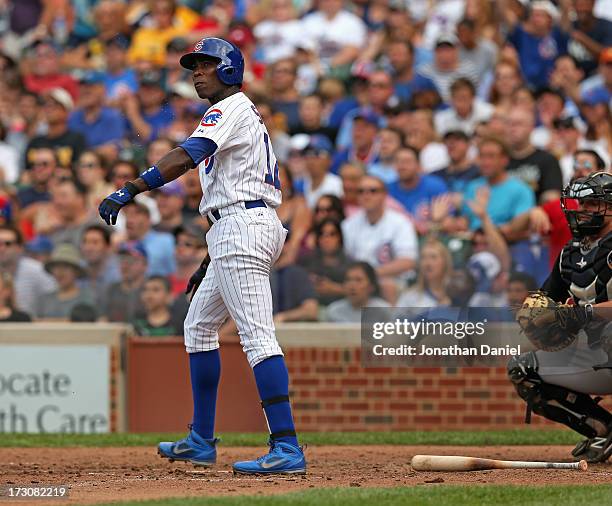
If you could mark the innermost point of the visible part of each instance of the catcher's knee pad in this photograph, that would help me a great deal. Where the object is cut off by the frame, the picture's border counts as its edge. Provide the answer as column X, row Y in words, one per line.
column 577, row 411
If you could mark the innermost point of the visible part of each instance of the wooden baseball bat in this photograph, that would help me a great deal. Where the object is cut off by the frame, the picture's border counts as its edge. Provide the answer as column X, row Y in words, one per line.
column 458, row 463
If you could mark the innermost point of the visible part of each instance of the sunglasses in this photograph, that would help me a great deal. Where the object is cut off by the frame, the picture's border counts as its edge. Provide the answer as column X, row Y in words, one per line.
column 323, row 209
column 313, row 153
column 584, row 165
column 41, row 164
column 369, row 191
column 8, row 243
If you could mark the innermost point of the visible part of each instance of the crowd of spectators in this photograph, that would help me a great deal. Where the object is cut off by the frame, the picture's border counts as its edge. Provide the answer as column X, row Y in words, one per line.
column 423, row 147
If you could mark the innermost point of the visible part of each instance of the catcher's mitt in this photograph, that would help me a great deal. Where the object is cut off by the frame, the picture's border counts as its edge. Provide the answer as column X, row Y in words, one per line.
column 548, row 325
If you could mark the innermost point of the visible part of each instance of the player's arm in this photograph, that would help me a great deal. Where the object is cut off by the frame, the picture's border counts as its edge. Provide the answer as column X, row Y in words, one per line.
column 396, row 267
column 172, row 165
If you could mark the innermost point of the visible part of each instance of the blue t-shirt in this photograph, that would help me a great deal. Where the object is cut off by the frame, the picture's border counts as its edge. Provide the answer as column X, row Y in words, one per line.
column 383, row 171
column 340, row 109
column 506, row 200
column 290, row 110
column 29, row 195
column 159, row 120
column 537, row 55
column 405, row 90
column 108, row 127
column 113, row 84
column 160, row 253
column 427, row 188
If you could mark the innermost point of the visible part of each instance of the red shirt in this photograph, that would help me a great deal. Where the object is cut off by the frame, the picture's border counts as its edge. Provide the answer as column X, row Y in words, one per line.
column 40, row 84
column 178, row 285
column 559, row 231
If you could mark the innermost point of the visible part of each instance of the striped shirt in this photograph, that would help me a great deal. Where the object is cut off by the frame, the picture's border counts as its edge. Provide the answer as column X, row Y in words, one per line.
column 31, row 281
column 444, row 80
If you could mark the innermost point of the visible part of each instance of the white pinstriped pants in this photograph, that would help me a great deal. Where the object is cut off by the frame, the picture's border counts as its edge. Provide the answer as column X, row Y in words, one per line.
column 242, row 247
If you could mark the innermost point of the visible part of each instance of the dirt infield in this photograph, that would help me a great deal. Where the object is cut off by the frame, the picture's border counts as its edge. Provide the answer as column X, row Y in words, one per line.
column 112, row 474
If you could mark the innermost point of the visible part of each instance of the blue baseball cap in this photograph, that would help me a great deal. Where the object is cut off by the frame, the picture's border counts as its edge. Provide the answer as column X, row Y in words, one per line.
column 133, row 248
column 368, row 115
column 40, row 244
column 120, row 41
column 92, row 77
column 598, row 95
column 318, row 144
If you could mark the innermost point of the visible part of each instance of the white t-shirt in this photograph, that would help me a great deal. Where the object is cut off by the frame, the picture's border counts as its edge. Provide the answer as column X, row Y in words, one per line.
column 331, row 185
column 277, row 40
column 392, row 237
column 243, row 168
column 9, row 163
column 412, row 302
column 342, row 311
column 442, row 17
column 603, row 9
column 331, row 35
column 448, row 120
column 434, row 156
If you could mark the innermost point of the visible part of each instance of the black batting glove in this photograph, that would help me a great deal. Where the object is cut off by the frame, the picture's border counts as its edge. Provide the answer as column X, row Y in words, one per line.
column 197, row 277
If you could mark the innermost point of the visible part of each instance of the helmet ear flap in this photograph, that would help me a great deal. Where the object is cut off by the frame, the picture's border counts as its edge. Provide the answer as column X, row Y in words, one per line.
column 225, row 73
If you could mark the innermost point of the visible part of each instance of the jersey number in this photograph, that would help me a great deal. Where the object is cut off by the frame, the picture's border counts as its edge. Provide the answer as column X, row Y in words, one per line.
column 271, row 178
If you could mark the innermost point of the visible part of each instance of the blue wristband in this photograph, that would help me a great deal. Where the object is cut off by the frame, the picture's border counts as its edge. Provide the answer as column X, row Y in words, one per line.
column 153, row 178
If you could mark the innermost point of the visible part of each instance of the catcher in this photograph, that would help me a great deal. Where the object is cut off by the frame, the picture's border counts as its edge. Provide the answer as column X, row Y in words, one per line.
column 569, row 323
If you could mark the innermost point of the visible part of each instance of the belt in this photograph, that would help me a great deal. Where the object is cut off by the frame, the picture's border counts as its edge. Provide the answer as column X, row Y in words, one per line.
column 248, row 204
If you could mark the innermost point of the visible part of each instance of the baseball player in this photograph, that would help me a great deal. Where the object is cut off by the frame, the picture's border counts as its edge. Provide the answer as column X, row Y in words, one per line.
column 559, row 385
column 239, row 176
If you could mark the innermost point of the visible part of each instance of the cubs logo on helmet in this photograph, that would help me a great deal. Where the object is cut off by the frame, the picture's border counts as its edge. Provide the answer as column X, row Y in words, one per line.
column 212, row 118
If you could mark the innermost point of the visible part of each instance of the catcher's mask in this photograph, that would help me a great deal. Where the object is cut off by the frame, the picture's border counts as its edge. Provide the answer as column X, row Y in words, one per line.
column 585, row 202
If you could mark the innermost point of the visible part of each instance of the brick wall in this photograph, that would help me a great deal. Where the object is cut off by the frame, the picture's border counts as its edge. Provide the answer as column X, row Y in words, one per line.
column 331, row 391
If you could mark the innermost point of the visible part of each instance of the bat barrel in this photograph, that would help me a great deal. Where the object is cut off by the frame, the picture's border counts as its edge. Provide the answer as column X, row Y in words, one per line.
column 450, row 463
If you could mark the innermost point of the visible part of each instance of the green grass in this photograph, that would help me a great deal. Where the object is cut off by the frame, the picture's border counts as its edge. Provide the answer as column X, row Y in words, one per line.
column 434, row 495
column 534, row 436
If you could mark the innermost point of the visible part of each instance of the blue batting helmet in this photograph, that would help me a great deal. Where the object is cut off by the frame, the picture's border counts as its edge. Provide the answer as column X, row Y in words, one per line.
column 231, row 63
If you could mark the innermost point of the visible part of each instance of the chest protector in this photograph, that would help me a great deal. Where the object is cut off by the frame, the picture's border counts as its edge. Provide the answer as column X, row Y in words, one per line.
column 588, row 271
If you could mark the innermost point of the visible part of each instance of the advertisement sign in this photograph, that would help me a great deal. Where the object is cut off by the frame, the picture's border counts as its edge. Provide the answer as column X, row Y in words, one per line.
column 61, row 388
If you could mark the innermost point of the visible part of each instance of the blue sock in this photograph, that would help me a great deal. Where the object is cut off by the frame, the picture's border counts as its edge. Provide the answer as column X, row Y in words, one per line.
column 273, row 381
column 205, row 369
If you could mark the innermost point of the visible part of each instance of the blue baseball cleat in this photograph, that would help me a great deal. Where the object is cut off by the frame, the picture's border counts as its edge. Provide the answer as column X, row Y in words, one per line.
column 194, row 449
column 283, row 458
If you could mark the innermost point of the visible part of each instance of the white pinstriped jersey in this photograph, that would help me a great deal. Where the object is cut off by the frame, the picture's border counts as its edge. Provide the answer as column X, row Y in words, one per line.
column 244, row 166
